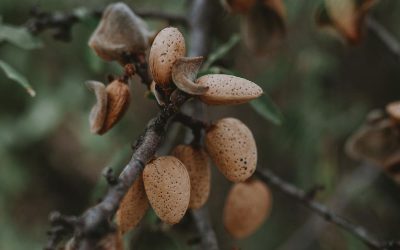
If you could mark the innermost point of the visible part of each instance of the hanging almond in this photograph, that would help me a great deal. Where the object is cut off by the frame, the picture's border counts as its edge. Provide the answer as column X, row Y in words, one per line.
column 133, row 207
column 167, row 186
column 118, row 99
column 227, row 89
column 197, row 163
column 238, row 6
column 168, row 46
column 233, row 149
column 119, row 32
column 99, row 111
column 247, row 206
column 346, row 17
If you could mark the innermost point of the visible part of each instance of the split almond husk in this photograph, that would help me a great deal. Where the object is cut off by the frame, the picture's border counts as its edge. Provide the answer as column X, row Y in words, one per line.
column 168, row 46
column 247, row 206
column 393, row 109
column 375, row 141
column 119, row 32
column 99, row 111
column 345, row 16
column 233, row 149
column 133, row 207
column 184, row 72
column 198, row 166
column 167, row 186
column 227, row 89
column 118, row 99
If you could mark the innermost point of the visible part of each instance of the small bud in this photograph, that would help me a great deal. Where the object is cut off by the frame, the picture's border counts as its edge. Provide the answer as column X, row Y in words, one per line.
column 167, row 186
column 227, row 89
column 247, row 206
column 232, row 147
column 119, row 32
column 168, row 46
column 197, row 164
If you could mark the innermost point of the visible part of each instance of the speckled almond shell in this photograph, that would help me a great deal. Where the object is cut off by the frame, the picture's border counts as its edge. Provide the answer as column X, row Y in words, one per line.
column 118, row 99
column 247, row 206
column 167, row 186
column 168, row 46
column 197, row 164
column 227, row 89
column 133, row 207
column 233, row 149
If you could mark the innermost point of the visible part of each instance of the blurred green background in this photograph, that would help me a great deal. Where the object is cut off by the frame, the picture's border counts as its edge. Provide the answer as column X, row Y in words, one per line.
column 324, row 89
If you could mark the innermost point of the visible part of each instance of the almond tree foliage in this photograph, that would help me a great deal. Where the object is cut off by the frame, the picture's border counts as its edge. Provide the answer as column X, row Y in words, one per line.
column 213, row 99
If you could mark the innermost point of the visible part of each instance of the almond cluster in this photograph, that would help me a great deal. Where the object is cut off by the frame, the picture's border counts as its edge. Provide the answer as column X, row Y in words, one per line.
column 173, row 184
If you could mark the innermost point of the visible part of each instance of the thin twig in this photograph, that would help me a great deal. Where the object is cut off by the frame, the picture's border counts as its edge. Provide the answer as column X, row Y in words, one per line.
column 318, row 208
column 202, row 221
column 62, row 23
column 385, row 36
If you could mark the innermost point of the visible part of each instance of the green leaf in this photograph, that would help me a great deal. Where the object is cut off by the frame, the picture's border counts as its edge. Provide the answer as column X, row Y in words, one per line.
column 19, row 36
column 12, row 74
column 221, row 51
column 267, row 109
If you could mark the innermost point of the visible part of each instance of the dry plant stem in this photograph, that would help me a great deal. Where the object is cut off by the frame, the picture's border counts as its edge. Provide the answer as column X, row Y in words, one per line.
column 197, row 126
column 328, row 215
column 385, row 36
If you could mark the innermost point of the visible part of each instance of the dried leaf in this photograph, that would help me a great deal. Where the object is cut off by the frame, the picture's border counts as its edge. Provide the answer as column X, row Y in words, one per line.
column 12, row 74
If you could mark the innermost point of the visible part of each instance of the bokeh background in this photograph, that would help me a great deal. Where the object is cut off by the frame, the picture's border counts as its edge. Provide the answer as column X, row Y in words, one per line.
column 323, row 88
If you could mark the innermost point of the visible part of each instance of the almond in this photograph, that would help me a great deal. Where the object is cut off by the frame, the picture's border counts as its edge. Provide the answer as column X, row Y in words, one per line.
column 227, row 89
column 247, row 206
column 167, row 186
column 198, row 166
column 119, row 32
column 233, row 149
column 133, row 207
column 168, row 46
column 118, row 99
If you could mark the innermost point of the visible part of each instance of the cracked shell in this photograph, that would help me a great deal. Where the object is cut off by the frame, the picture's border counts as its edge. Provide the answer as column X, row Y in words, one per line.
column 133, row 207
column 197, row 164
column 168, row 46
column 232, row 147
column 167, row 186
column 227, row 89
column 247, row 206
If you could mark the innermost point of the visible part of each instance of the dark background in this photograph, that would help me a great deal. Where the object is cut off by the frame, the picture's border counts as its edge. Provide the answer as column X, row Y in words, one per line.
column 324, row 88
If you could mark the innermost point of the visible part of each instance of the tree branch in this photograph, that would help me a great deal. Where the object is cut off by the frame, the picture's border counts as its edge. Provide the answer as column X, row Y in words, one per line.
column 318, row 208
column 385, row 36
